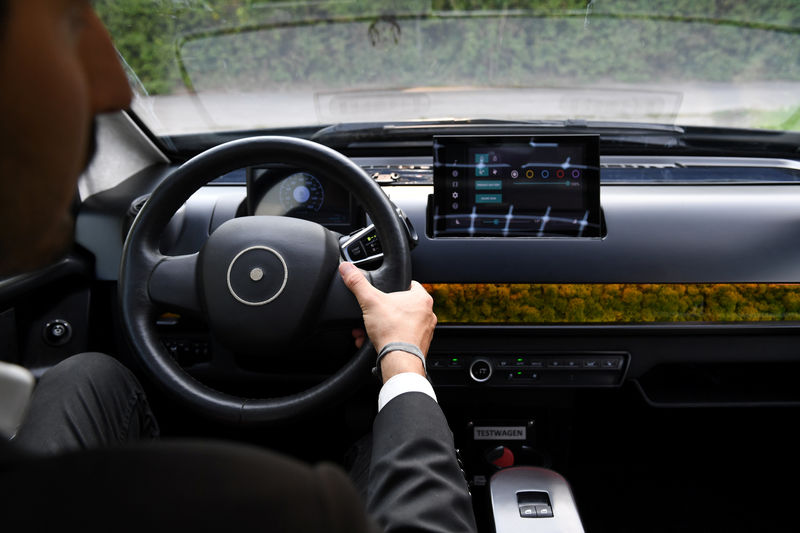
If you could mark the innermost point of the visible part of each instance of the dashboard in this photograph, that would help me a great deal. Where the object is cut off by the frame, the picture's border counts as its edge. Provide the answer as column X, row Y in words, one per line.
column 693, row 222
column 671, row 333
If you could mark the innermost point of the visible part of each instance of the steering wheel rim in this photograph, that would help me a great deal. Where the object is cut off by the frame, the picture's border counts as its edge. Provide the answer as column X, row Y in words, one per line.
column 141, row 258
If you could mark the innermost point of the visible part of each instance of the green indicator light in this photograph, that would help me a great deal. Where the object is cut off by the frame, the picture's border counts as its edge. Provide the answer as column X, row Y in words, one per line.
column 519, row 373
column 455, row 359
column 519, row 359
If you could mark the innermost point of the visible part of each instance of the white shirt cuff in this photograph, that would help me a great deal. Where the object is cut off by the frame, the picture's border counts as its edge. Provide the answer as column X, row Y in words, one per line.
column 402, row 383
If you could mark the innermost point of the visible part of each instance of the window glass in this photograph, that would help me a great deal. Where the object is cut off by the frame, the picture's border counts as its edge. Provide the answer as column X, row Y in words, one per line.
column 222, row 65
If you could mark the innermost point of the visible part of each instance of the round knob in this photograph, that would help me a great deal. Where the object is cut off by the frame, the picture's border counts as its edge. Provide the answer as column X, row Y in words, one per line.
column 57, row 332
column 480, row 370
column 501, row 457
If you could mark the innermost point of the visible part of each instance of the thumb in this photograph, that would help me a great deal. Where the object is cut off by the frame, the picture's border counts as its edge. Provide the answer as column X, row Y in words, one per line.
column 358, row 284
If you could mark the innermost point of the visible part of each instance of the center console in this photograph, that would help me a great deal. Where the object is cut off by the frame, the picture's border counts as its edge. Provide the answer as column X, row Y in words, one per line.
column 533, row 500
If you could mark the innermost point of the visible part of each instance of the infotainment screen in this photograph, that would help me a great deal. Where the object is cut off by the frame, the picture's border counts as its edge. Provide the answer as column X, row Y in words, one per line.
column 518, row 186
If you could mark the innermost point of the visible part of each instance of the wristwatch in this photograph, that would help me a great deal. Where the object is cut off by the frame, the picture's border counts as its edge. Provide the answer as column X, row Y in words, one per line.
column 398, row 347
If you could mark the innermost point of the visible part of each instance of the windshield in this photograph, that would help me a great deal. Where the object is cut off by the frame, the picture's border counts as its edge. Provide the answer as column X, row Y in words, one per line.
column 241, row 65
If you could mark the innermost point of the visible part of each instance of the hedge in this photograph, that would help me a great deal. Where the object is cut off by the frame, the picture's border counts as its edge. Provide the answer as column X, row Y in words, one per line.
column 506, row 43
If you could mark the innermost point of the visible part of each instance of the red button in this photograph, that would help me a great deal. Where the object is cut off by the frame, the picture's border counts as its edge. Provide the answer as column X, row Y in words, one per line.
column 504, row 461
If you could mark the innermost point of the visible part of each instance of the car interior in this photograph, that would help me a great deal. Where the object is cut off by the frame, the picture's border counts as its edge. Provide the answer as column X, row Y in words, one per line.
column 618, row 298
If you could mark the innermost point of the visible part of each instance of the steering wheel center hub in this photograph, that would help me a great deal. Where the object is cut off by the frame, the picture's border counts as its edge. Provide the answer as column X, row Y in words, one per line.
column 257, row 275
column 264, row 279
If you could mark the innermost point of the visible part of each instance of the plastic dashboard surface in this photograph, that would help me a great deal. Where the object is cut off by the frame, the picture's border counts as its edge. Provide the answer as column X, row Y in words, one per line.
column 740, row 232
column 655, row 234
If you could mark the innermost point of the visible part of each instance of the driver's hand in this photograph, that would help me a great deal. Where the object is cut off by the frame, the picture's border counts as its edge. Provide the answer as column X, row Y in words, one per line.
column 404, row 316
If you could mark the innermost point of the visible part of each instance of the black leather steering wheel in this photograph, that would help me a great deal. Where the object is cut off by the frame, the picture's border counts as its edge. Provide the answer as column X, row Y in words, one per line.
column 258, row 281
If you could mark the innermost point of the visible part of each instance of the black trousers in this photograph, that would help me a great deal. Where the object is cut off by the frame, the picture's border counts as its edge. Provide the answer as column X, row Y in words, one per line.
column 93, row 405
column 87, row 458
column 87, row 401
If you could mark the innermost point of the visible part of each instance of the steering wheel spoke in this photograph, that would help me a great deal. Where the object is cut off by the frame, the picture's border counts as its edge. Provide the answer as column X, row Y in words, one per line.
column 340, row 306
column 173, row 283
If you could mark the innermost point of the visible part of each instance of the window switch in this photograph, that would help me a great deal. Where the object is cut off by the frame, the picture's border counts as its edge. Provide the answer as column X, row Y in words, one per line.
column 534, row 504
column 531, row 510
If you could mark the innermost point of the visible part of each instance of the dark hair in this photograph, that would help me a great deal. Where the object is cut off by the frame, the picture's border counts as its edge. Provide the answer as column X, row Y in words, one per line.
column 3, row 16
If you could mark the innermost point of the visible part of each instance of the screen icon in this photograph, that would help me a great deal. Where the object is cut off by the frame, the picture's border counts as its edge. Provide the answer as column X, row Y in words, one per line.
column 481, row 164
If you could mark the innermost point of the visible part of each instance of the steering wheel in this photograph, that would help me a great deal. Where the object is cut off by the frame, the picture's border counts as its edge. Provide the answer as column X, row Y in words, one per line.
column 258, row 281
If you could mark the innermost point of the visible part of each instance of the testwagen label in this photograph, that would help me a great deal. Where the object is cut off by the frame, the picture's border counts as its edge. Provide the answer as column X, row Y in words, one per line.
column 500, row 433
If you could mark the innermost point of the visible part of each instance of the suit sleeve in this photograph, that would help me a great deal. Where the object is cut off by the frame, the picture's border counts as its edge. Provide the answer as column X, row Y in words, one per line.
column 415, row 483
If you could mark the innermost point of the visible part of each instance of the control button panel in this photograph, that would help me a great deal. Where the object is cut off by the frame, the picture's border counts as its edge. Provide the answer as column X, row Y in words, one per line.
column 362, row 246
column 188, row 352
column 534, row 504
column 587, row 369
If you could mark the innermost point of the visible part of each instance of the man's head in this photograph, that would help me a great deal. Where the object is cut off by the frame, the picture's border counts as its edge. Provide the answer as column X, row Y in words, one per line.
column 58, row 69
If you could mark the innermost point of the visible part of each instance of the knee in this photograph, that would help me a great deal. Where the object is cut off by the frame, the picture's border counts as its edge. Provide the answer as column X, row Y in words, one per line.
column 90, row 366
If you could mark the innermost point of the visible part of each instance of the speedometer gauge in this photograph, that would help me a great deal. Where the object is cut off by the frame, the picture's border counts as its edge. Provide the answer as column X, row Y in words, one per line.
column 301, row 190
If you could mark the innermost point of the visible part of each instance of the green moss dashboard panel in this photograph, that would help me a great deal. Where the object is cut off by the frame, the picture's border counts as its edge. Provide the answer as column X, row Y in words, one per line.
column 622, row 303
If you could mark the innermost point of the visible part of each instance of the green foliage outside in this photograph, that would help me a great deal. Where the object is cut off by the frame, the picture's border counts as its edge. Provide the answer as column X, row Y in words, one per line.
column 614, row 303
column 784, row 119
column 280, row 45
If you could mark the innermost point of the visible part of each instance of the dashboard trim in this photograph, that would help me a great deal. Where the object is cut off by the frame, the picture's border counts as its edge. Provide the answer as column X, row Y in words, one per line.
column 683, row 328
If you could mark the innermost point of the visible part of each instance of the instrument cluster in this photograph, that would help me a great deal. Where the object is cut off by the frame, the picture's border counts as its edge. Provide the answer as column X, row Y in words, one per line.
column 297, row 193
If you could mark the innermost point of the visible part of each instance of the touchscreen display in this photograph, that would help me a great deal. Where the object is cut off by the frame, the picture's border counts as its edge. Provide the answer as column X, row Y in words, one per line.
column 521, row 186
